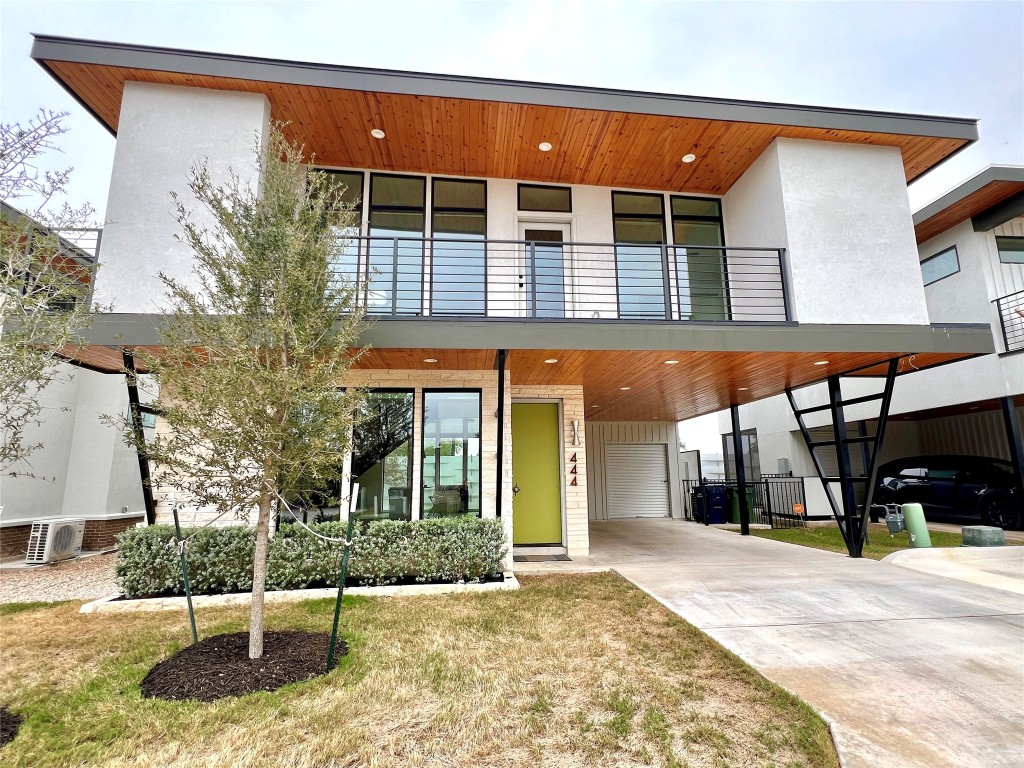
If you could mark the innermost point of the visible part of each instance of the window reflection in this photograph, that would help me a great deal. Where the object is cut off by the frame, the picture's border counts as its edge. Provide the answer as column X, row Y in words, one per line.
column 381, row 452
column 451, row 454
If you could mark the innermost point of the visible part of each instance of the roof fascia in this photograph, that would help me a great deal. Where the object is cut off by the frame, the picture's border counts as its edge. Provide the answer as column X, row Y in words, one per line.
column 1000, row 213
column 47, row 47
column 1013, row 173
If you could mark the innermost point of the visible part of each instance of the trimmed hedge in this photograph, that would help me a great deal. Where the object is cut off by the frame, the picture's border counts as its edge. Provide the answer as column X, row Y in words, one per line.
column 383, row 552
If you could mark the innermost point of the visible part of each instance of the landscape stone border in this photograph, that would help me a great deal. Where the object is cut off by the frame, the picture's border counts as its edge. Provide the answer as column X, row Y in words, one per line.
column 115, row 603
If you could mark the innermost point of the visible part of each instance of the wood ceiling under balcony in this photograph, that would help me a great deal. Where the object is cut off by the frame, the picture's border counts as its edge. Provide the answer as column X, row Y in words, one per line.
column 499, row 139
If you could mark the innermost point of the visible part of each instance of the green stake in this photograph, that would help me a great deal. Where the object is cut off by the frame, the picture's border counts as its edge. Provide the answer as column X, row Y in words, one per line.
column 184, row 573
column 341, row 592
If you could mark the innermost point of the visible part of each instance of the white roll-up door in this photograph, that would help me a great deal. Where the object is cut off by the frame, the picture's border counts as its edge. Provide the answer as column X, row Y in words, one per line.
column 637, row 480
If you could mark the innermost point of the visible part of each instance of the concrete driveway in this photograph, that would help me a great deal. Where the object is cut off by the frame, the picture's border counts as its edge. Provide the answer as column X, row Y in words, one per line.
column 912, row 668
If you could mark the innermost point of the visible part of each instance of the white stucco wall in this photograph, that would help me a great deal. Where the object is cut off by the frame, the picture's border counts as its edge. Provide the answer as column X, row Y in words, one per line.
column 86, row 469
column 164, row 131
column 843, row 213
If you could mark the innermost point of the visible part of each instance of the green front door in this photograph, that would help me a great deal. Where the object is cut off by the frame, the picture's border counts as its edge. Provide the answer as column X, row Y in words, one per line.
column 536, row 470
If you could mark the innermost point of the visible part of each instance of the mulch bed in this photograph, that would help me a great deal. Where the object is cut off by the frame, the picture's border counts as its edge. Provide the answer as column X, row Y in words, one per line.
column 220, row 666
column 9, row 725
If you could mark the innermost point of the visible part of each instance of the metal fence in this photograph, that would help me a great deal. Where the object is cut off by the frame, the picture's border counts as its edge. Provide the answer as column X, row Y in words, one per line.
column 473, row 277
column 1011, row 320
column 776, row 500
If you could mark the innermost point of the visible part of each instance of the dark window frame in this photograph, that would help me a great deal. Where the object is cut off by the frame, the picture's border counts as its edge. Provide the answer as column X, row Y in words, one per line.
column 673, row 217
column 412, row 437
column 361, row 209
column 644, row 216
column 519, row 198
column 434, row 208
column 943, row 252
column 456, row 237
column 423, row 438
column 1012, row 238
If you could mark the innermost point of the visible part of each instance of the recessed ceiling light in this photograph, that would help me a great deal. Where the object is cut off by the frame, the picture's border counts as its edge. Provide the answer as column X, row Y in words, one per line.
column 624, row 388
column 974, row 407
column 430, row 360
column 377, row 133
column 743, row 389
column 689, row 158
column 544, row 146
column 821, row 362
column 551, row 360
column 671, row 362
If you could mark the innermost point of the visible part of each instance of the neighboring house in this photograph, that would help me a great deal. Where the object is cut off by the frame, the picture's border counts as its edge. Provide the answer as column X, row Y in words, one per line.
column 560, row 274
column 971, row 249
column 83, row 469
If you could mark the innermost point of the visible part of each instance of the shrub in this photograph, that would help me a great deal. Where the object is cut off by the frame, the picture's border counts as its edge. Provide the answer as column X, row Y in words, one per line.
column 383, row 552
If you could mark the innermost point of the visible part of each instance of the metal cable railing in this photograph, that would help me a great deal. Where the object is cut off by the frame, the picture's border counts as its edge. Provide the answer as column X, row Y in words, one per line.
column 1011, row 320
column 466, row 277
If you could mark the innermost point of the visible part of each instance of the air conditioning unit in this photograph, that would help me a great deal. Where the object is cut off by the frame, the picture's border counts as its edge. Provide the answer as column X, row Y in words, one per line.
column 56, row 539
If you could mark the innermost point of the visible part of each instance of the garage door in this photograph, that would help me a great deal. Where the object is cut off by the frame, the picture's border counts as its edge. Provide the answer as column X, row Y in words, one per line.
column 637, row 480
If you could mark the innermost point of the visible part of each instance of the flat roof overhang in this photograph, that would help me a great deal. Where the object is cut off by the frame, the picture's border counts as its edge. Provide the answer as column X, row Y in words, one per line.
column 989, row 199
column 718, row 364
column 471, row 126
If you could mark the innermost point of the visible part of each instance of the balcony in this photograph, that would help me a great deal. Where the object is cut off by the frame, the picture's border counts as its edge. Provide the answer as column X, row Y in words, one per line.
column 402, row 277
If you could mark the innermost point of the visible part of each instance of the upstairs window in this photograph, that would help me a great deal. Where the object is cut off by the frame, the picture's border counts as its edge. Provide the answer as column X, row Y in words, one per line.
column 940, row 266
column 700, row 272
column 347, row 188
column 638, row 222
column 397, row 218
column 534, row 197
column 1011, row 249
column 459, row 251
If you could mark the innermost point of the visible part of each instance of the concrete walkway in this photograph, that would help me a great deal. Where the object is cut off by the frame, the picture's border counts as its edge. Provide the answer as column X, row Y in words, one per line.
column 912, row 668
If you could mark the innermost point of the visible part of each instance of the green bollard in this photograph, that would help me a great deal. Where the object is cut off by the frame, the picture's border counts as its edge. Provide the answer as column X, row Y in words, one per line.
column 913, row 517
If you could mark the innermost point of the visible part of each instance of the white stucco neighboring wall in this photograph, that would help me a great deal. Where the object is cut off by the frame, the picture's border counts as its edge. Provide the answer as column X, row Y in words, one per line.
column 163, row 132
column 84, row 468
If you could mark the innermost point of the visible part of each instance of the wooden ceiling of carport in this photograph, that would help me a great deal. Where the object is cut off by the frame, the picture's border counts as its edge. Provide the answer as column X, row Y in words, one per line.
column 494, row 139
column 701, row 382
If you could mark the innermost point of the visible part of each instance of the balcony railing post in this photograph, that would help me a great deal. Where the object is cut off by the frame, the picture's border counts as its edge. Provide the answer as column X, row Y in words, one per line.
column 394, row 278
column 533, row 279
column 787, row 298
column 666, row 281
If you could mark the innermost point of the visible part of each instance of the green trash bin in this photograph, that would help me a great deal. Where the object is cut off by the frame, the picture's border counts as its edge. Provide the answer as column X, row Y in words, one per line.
column 734, row 504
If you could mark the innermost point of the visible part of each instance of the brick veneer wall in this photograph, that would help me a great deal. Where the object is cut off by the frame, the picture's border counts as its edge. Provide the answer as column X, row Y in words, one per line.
column 99, row 534
column 14, row 540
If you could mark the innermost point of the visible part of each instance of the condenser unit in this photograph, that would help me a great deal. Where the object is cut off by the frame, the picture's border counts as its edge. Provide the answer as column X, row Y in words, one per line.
column 56, row 539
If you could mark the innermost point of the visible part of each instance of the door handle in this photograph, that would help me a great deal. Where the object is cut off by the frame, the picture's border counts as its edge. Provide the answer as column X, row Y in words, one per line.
column 515, row 489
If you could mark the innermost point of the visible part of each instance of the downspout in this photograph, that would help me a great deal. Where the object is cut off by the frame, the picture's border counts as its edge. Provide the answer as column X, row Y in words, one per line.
column 140, row 434
column 499, row 364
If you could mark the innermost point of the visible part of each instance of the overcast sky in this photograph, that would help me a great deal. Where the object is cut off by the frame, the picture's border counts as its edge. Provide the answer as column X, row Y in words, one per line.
column 951, row 58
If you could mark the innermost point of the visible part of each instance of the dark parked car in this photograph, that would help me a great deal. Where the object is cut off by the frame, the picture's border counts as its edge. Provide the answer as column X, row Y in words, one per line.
column 954, row 486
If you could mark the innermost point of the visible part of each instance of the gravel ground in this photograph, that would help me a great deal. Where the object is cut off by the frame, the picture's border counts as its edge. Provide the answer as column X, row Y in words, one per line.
column 85, row 578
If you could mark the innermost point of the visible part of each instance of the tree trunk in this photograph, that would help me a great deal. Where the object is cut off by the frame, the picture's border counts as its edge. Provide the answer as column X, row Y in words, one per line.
column 259, row 578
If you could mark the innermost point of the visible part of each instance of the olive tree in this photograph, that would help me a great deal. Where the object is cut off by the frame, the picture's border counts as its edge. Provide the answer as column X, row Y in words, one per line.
column 257, row 342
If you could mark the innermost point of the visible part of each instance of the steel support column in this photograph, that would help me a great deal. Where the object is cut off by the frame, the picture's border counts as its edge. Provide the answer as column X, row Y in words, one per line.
column 847, row 494
column 1013, row 438
column 140, row 434
column 499, row 364
column 741, row 474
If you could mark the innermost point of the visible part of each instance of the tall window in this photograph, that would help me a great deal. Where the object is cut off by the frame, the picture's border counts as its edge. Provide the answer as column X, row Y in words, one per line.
column 751, row 456
column 700, row 272
column 381, row 455
column 639, row 227
column 451, row 453
column 458, row 259
column 348, row 189
column 397, row 212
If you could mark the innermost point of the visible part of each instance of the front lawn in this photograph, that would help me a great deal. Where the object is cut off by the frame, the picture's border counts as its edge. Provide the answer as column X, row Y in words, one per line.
column 570, row 670
column 882, row 544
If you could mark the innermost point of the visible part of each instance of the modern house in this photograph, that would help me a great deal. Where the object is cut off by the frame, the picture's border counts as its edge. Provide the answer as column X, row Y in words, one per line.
column 559, row 274
column 971, row 250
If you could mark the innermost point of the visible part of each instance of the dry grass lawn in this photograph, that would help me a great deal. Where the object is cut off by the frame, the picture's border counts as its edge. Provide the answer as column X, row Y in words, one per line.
column 568, row 671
